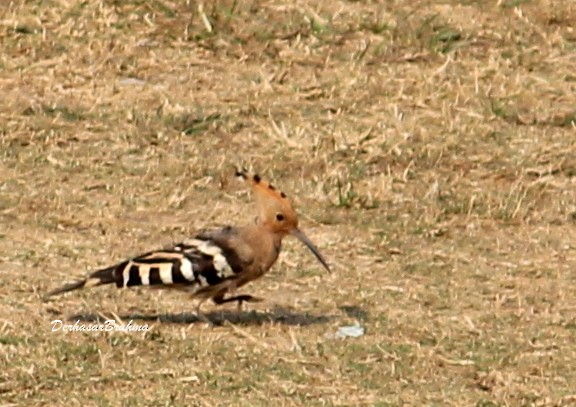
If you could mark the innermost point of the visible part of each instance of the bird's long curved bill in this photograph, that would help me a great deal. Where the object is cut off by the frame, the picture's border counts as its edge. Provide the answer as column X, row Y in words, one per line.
column 304, row 239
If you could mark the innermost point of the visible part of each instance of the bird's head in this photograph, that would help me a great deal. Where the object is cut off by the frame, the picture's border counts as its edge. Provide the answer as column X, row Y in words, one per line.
column 276, row 213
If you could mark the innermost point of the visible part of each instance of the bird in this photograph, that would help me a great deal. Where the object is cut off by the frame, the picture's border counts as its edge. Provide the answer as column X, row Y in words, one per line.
column 214, row 263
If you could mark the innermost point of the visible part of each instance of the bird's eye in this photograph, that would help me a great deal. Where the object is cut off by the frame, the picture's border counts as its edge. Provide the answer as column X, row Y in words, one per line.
column 279, row 217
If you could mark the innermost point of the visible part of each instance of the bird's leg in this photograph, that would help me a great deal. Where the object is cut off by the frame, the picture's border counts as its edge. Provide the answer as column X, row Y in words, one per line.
column 219, row 299
column 242, row 298
column 200, row 315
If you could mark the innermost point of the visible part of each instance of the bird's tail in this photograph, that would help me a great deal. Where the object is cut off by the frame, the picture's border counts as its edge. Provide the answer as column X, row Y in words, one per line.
column 100, row 277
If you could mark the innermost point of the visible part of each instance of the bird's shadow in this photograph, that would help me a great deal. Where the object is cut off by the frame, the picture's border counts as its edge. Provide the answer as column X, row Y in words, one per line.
column 278, row 315
column 354, row 311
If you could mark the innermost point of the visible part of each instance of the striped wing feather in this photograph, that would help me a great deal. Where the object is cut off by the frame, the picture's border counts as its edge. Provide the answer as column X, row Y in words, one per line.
column 206, row 260
column 209, row 259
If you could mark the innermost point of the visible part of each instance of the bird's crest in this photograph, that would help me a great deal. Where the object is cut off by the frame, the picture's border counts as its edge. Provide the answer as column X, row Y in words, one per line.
column 273, row 205
column 261, row 187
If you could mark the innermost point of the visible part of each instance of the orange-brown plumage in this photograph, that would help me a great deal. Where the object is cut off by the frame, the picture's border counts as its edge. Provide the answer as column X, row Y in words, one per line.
column 215, row 262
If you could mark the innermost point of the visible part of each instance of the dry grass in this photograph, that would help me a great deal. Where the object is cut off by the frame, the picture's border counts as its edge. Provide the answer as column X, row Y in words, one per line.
column 429, row 146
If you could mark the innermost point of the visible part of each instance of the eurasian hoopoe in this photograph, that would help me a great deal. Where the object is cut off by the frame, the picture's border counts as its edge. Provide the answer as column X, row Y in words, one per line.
column 215, row 262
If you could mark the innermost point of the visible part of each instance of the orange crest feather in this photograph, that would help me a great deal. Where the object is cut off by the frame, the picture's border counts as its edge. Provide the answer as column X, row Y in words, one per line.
column 270, row 201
